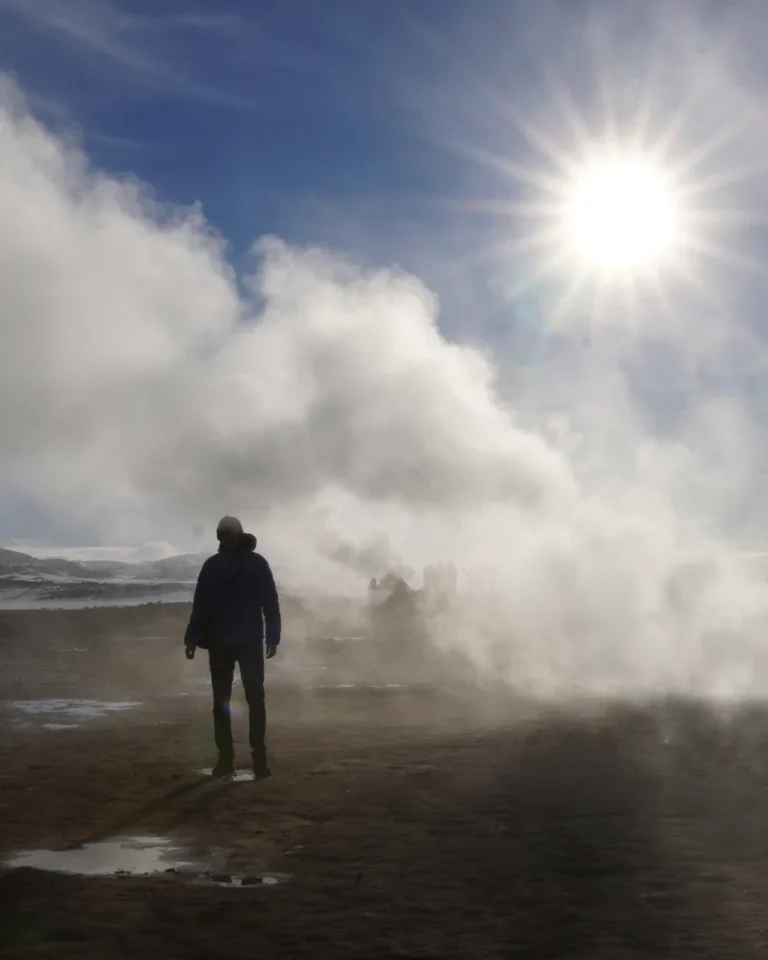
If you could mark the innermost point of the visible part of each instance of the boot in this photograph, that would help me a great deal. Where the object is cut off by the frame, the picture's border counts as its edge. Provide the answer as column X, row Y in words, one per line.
column 224, row 769
column 260, row 769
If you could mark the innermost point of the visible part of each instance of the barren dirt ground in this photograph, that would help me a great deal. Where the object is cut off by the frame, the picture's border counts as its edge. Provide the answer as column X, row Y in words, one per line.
column 430, row 823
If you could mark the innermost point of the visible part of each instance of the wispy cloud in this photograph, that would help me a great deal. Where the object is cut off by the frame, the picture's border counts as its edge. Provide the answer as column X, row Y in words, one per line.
column 102, row 29
column 58, row 116
column 201, row 21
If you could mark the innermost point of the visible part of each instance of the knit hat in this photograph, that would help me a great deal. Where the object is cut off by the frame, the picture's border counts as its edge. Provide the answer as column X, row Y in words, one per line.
column 229, row 525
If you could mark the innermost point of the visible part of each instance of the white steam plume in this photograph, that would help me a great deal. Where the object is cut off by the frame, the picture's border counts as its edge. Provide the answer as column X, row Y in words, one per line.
column 325, row 407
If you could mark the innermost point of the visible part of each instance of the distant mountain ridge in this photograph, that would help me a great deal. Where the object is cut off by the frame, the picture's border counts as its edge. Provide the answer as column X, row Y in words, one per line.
column 27, row 581
column 180, row 568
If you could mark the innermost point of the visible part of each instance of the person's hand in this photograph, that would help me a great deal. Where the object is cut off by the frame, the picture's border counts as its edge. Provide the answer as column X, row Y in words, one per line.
column 271, row 650
column 190, row 653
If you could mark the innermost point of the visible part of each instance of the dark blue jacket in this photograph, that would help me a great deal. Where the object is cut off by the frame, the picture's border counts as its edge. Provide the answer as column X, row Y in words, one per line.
column 238, row 608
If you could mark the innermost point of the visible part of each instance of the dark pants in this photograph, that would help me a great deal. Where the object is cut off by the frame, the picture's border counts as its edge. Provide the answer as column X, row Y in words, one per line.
column 222, row 661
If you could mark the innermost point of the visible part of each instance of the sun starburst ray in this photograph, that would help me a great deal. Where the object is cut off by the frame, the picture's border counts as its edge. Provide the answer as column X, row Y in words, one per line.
column 613, row 217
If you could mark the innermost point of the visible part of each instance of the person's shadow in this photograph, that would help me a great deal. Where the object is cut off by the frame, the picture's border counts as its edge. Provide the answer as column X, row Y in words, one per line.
column 203, row 792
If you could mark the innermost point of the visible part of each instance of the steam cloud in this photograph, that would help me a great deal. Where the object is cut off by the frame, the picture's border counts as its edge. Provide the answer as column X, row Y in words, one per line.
column 139, row 382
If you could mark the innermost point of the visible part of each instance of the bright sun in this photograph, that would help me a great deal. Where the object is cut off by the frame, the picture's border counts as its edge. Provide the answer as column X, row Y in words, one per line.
column 620, row 216
column 612, row 220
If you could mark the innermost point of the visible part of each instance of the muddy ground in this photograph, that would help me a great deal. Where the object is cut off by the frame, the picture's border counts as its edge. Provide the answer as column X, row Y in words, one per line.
column 434, row 821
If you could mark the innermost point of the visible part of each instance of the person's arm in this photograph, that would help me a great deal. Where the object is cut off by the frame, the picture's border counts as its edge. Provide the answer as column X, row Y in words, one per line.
column 199, row 605
column 270, row 605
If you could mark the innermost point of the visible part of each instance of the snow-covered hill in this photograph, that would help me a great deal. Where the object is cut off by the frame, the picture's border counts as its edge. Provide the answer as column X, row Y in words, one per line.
column 27, row 581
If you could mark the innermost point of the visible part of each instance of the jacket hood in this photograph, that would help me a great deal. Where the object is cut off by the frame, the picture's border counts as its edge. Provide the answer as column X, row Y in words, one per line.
column 247, row 544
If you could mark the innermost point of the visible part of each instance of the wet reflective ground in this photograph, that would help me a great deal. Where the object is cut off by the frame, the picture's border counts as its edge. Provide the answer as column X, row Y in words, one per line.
column 61, row 714
column 425, row 821
column 140, row 857
column 137, row 855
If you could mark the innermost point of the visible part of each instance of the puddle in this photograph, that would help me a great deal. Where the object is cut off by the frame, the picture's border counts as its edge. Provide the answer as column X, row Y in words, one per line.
column 340, row 639
column 62, row 710
column 136, row 856
column 233, row 881
column 364, row 687
column 241, row 776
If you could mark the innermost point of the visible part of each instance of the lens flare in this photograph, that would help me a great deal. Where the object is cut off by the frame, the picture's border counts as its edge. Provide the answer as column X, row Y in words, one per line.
column 614, row 220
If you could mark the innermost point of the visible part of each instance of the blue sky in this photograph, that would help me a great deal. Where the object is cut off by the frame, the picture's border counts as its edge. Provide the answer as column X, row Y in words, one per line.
column 353, row 125
column 294, row 118
column 340, row 123
column 367, row 126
